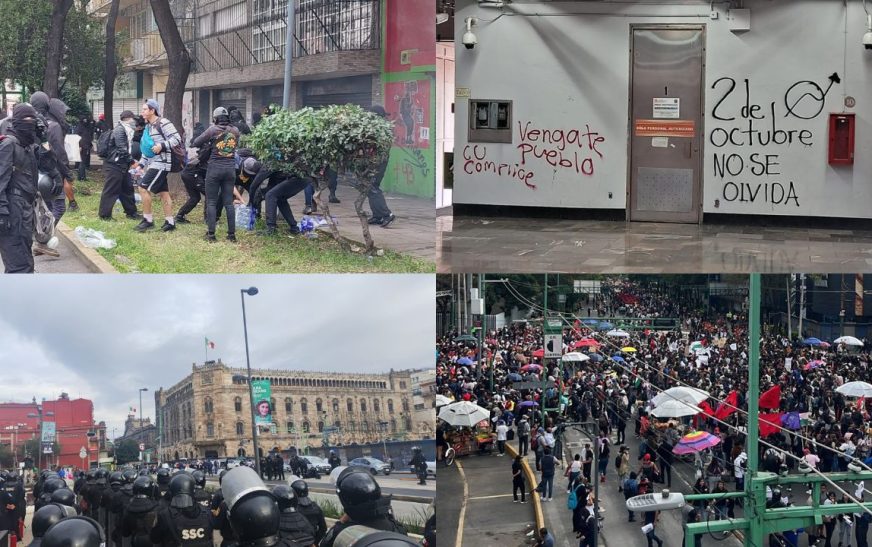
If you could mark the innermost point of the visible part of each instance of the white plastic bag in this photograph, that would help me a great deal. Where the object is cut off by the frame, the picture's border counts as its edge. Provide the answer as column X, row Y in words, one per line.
column 71, row 147
column 93, row 239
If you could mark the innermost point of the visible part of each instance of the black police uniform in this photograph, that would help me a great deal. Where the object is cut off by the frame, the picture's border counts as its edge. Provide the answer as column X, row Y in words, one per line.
column 18, row 189
column 420, row 465
column 315, row 515
column 381, row 518
column 201, row 497
column 294, row 526
column 183, row 527
column 220, row 521
column 117, row 503
column 138, row 520
column 8, row 517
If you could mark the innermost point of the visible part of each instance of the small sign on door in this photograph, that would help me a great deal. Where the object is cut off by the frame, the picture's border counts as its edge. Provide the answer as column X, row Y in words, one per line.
column 666, row 108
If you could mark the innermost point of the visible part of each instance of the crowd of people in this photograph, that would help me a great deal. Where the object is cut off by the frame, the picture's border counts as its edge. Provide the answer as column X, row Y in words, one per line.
column 172, row 507
column 138, row 154
column 707, row 349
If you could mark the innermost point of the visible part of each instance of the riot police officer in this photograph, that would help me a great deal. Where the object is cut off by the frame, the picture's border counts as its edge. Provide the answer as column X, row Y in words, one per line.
column 8, row 511
column 363, row 504
column 309, row 509
column 18, row 189
column 74, row 532
column 163, row 480
column 183, row 522
column 252, row 510
column 45, row 518
column 334, row 460
column 50, row 486
column 219, row 514
column 200, row 495
column 64, row 496
column 15, row 486
column 420, row 464
column 114, row 503
column 292, row 524
column 140, row 515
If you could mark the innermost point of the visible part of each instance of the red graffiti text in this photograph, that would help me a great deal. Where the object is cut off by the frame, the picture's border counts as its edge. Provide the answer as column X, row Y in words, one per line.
column 475, row 161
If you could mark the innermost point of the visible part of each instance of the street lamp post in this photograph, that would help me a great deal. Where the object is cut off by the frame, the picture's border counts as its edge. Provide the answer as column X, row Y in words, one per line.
column 384, row 428
column 251, row 291
column 39, row 415
column 140, row 405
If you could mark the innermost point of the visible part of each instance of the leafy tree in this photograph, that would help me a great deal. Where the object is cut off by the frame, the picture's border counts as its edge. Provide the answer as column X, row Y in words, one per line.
column 127, row 451
column 54, row 47
column 178, row 57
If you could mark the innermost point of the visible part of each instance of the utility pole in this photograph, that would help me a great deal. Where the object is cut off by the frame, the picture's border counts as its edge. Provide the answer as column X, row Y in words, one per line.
column 289, row 54
column 801, row 302
column 789, row 315
column 544, row 372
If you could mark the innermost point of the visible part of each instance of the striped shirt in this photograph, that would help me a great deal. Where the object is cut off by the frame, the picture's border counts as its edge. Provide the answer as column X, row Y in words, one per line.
column 163, row 131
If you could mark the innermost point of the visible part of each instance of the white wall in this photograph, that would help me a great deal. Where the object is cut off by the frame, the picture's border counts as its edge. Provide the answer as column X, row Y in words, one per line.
column 444, row 117
column 566, row 66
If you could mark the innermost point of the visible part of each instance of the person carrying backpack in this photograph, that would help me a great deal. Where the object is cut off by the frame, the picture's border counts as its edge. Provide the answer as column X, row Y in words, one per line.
column 221, row 172
column 114, row 148
column 631, row 488
column 164, row 137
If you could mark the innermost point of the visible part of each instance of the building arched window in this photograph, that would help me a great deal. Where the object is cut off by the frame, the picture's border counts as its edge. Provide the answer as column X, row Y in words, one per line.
column 390, row 406
column 405, row 405
column 363, row 405
column 272, row 405
column 335, row 406
column 365, row 426
column 237, row 404
column 304, row 406
column 393, row 425
column 239, row 428
column 375, row 406
column 349, row 404
column 290, row 427
column 305, row 427
column 288, row 405
column 319, row 405
column 320, row 427
column 207, row 405
column 352, row 426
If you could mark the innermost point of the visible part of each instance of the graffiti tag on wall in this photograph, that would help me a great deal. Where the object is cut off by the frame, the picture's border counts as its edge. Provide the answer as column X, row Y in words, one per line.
column 574, row 150
column 756, row 176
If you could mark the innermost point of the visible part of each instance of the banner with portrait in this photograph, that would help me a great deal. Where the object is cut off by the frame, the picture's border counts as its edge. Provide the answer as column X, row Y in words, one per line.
column 262, row 410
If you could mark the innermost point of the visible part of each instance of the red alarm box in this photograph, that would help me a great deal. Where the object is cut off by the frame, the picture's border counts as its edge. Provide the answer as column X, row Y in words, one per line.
column 841, row 150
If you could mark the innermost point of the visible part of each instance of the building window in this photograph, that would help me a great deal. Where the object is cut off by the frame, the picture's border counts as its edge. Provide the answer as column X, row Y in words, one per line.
column 272, row 405
column 390, row 406
column 337, row 424
column 320, row 427
column 239, row 428
column 408, row 424
column 268, row 35
column 236, row 16
column 405, row 405
column 237, row 404
column 365, row 426
column 305, row 427
column 375, row 406
column 393, row 425
column 402, row 385
column 349, row 405
column 352, row 426
column 288, row 404
column 319, row 406
column 363, row 405
column 208, row 406
column 206, row 24
column 290, row 427
column 304, row 406
column 210, row 429
column 335, row 406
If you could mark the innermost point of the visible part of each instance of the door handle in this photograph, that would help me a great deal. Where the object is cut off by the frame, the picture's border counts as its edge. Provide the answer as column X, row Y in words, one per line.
column 689, row 148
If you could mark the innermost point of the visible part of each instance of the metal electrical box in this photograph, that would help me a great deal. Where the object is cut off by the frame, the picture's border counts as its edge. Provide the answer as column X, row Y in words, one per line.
column 841, row 142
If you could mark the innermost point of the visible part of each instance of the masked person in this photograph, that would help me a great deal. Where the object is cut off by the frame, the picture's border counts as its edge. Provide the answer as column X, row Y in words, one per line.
column 56, row 132
column 118, row 183
column 253, row 510
column 363, row 504
column 85, row 130
column 381, row 214
column 184, row 522
column 18, row 188
column 221, row 172
column 419, row 462
column 275, row 188
column 164, row 136
column 140, row 515
column 292, row 524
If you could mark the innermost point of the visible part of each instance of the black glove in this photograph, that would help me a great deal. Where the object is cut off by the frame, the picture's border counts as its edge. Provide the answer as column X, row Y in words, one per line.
column 5, row 225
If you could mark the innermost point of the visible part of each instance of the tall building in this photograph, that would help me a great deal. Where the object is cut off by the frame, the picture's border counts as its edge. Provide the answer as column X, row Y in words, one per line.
column 74, row 426
column 363, row 52
column 207, row 413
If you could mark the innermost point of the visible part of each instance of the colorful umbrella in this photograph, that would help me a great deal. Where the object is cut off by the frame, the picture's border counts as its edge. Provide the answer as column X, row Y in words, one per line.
column 464, row 361
column 539, row 353
column 791, row 420
column 814, row 364
column 586, row 343
column 629, row 349
column 525, row 404
column 811, row 342
column 605, row 325
column 528, row 368
column 695, row 442
column 575, row 357
column 514, row 377
column 696, row 345
column 595, row 357
column 618, row 358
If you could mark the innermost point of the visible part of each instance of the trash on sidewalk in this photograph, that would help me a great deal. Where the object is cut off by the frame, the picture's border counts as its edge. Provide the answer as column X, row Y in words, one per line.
column 93, row 239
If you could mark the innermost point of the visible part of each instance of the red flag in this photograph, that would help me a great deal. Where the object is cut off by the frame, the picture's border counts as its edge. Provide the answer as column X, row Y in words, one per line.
column 707, row 411
column 728, row 406
column 861, row 402
column 772, row 398
column 770, row 423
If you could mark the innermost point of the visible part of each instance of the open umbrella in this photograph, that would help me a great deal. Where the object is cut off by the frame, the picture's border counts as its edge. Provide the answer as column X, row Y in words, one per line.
column 695, row 442
column 811, row 342
column 856, row 389
column 514, row 377
column 629, row 349
column 539, row 353
column 464, row 361
column 674, row 409
column 586, row 343
column 533, row 367
column 591, row 321
column 466, row 338
column 684, row 394
column 595, row 357
column 463, row 414
column 618, row 333
column 791, row 420
column 618, row 358
column 605, row 325
column 525, row 404
column 575, row 357
column 814, row 364
column 695, row 345
column 848, row 341
column 442, row 400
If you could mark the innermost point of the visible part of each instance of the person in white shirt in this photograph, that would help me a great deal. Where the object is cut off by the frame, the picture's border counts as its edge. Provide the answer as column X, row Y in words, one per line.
column 502, row 429
column 739, row 470
column 810, row 458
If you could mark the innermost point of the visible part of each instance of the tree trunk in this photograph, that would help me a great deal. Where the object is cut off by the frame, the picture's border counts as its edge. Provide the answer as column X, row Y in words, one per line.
column 111, row 64
column 179, row 61
column 54, row 47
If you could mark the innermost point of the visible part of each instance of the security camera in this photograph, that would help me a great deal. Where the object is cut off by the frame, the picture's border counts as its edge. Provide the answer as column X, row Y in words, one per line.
column 469, row 39
column 867, row 38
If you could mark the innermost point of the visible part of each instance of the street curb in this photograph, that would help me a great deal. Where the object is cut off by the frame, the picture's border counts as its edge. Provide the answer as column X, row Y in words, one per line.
column 534, row 495
column 93, row 260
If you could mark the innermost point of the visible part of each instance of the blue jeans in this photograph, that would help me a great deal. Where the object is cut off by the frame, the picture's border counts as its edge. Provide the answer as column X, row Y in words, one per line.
column 547, row 486
column 573, row 479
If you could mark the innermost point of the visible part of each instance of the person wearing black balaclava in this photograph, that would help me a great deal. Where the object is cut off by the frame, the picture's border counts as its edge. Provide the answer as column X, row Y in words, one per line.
column 57, row 112
column 55, row 135
column 18, row 188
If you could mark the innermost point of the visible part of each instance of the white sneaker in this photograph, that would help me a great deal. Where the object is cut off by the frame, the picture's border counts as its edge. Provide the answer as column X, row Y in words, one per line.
column 514, row 501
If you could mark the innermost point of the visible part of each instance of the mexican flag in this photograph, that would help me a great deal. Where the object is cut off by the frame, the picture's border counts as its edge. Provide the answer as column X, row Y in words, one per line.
column 210, row 344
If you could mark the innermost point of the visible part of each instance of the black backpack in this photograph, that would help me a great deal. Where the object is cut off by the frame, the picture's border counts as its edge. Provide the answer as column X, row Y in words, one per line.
column 104, row 145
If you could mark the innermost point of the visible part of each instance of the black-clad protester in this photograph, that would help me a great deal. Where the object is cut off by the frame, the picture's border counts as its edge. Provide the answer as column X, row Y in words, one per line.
column 85, row 130
column 221, row 171
column 18, row 188
column 275, row 188
column 381, row 213
column 118, row 183
column 57, row 130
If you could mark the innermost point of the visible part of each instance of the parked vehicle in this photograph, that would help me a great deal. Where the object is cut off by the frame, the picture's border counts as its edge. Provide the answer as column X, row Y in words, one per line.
column 375, row 466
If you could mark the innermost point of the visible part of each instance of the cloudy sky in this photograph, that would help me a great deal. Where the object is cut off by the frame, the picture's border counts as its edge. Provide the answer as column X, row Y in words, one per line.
column 104, row 337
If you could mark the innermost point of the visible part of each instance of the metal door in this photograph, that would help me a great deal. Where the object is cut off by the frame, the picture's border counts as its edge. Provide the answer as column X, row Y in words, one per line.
column 666, row 106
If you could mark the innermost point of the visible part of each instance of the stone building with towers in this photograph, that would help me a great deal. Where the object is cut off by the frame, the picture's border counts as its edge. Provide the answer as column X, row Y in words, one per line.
column 206, row 414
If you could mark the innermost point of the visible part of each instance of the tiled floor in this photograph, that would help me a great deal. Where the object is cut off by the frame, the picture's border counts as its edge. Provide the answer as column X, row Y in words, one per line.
column 474, row 244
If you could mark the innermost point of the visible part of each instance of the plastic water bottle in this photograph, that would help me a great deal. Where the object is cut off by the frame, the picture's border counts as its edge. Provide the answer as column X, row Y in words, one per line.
column 52, row 243
column 251, row 217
